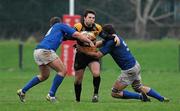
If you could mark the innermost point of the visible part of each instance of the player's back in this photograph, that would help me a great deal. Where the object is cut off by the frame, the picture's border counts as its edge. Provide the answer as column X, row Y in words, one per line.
column 122, row 55
column 54, row 36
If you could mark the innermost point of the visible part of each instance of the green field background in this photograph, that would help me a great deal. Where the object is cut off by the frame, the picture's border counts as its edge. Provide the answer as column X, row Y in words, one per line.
column 158, row 59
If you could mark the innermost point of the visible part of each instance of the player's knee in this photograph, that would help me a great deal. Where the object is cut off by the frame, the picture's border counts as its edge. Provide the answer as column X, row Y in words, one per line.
column 78, row 77
column 116, row 93
column 145, row 89
column 136, row 86
column 137, row 89
column 62, row 72
column 43, row 77
column 96, row 73
column 78, row 80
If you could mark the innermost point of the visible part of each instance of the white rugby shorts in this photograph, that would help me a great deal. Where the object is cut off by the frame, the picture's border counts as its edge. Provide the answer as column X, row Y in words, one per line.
column 44, row 56
column 127, row 77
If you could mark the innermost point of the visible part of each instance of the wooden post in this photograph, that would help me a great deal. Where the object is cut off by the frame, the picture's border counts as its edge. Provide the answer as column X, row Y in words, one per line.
column 21, row 55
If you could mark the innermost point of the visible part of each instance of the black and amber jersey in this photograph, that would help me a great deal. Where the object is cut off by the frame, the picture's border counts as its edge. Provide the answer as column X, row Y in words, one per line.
column 95, row 29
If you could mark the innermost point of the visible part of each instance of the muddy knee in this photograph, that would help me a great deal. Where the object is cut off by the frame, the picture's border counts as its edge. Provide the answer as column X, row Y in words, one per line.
column 116, row 93
column 136, row 85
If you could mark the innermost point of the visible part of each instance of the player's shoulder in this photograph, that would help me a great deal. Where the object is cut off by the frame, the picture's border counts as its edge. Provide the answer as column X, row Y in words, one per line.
column 98, row 26
column 78, row 26
column 60, row 25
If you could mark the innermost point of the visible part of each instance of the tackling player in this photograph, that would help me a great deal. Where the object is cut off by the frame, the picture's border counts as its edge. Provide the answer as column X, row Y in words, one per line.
column 130, row 68
column 46, row 58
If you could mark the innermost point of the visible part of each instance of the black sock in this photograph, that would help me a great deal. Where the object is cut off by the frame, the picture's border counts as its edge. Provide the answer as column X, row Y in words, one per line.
column 96, row 83
column 77, row 88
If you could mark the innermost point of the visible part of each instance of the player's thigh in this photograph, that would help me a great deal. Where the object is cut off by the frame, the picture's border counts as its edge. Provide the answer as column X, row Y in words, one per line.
column 58, row 66
column 81, row 61
column 94, row 68
column 130, row 75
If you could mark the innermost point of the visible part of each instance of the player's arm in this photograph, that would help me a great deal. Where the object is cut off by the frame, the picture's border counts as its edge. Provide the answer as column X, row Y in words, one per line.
column 106, row 48
column 82, row 38
column 66, row 37
column 116, row 40
column 96, row 54
column 105, row 36
column 71, row 32
column 99, row 43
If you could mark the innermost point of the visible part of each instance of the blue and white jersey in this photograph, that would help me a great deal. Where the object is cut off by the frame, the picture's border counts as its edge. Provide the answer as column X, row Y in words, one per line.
column 121, row 54
column 54, row 36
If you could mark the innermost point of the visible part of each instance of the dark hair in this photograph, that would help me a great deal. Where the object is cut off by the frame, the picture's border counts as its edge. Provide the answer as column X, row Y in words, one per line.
column 87, row 11
column 54, row 20
column 109, row 28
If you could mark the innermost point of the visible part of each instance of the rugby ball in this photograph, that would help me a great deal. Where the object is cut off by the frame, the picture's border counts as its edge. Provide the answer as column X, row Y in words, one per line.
column 89, row 34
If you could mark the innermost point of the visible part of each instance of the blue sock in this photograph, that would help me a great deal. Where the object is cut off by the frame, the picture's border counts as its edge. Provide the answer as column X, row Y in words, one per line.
column 156, row 95
column 56, row 83
column 34, row 81
column 131, row 95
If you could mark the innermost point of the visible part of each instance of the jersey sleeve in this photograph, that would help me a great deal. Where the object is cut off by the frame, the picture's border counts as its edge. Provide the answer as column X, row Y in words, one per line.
column 68, row 30
column 99, row 28
column 78, row 27
column 107, row 47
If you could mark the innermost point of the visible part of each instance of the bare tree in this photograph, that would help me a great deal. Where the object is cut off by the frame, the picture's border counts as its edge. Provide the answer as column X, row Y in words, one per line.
column 145, row 13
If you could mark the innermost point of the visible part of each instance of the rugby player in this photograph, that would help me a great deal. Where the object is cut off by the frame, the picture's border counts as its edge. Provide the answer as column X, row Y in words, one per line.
column 89, row 27
column 82, row 61
column 45, row 56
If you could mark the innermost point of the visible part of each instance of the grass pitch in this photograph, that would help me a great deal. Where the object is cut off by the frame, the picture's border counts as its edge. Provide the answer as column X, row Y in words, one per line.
column 158, row 59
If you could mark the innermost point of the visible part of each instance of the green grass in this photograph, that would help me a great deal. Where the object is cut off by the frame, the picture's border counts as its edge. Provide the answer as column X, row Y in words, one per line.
column 158, row 59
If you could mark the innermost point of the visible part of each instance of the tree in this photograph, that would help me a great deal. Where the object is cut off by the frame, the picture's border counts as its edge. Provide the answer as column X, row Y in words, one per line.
column 146, row 11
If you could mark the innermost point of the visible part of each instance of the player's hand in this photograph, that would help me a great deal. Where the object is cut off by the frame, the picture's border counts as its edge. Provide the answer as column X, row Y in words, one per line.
column 78, row 47
column 91, row 44
column 116, row 40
